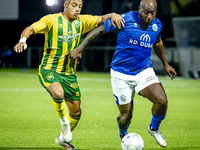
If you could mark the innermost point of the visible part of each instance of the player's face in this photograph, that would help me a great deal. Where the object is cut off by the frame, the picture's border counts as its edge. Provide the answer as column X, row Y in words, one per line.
column 73, row 8
column 147, row 13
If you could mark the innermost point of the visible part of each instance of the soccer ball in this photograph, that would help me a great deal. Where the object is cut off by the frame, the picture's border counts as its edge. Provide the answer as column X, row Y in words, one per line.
column 132, row 141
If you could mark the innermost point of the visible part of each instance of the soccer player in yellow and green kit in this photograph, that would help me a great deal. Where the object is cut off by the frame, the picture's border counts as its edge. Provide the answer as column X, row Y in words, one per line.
column 63, row 33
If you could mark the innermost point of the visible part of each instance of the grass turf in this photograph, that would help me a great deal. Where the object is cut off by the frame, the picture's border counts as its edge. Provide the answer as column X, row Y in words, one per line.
column 28, row 119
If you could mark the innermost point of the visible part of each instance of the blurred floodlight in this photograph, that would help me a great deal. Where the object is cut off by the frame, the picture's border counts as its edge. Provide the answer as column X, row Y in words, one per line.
column 50, row 2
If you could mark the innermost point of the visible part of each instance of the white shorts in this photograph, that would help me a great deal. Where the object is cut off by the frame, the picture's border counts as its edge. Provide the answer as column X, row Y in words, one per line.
column 124, row 86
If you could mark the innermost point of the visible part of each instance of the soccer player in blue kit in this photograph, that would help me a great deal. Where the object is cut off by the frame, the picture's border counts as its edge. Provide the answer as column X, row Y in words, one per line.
column 131, row 67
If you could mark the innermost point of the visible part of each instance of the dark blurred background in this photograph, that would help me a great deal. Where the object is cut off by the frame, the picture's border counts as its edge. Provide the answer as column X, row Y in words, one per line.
column 15, row 15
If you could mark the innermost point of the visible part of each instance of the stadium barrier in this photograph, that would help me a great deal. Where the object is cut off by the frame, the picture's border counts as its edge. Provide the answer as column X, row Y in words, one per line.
column 88, row 57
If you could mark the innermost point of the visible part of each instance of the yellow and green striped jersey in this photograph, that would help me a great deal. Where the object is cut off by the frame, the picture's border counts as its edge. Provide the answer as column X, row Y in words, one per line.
column 62, row 36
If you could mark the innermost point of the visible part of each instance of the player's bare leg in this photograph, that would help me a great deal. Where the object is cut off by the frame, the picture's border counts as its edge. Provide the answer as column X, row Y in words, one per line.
column 124, row 118
column 156, row 94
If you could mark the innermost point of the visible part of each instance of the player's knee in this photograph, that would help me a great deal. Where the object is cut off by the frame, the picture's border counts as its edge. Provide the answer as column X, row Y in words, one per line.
column 58, row 94
column 77, row 113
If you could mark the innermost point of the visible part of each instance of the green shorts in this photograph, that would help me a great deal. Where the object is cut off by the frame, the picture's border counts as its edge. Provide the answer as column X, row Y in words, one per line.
column 69, row 83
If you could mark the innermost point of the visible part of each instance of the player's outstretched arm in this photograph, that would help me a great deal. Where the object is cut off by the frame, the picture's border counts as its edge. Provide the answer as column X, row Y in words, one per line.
column 27, row 32
column 116, row 20
column 159, row 50
column 91, row 37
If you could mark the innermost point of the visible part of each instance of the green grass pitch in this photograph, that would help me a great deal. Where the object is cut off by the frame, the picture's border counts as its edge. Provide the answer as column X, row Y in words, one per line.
column 28, row 119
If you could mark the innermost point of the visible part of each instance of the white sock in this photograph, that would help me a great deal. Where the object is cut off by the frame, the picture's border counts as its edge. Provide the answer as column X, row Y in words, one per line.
column 64, row 121
column 61, row 136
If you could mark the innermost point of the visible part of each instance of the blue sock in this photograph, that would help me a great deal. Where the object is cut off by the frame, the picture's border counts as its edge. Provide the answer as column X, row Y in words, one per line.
column 123, row 132
column 156, row 120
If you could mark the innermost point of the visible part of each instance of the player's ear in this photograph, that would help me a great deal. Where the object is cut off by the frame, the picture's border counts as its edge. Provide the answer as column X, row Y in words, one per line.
column 65, row 4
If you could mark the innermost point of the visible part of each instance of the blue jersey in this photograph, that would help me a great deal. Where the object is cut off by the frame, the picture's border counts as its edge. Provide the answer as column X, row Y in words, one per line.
column 134, row 43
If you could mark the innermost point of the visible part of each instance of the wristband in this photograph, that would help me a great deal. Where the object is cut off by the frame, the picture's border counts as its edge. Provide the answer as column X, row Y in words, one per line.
column 23, row 40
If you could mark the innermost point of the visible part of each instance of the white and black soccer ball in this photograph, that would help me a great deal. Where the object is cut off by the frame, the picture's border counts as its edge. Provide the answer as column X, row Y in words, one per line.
column 132, row 141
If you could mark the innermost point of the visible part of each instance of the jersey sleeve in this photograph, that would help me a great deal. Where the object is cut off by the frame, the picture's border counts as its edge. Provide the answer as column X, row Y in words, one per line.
column 89, row 22
column 159, row 35
column 42, row 25
column 109, row 26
